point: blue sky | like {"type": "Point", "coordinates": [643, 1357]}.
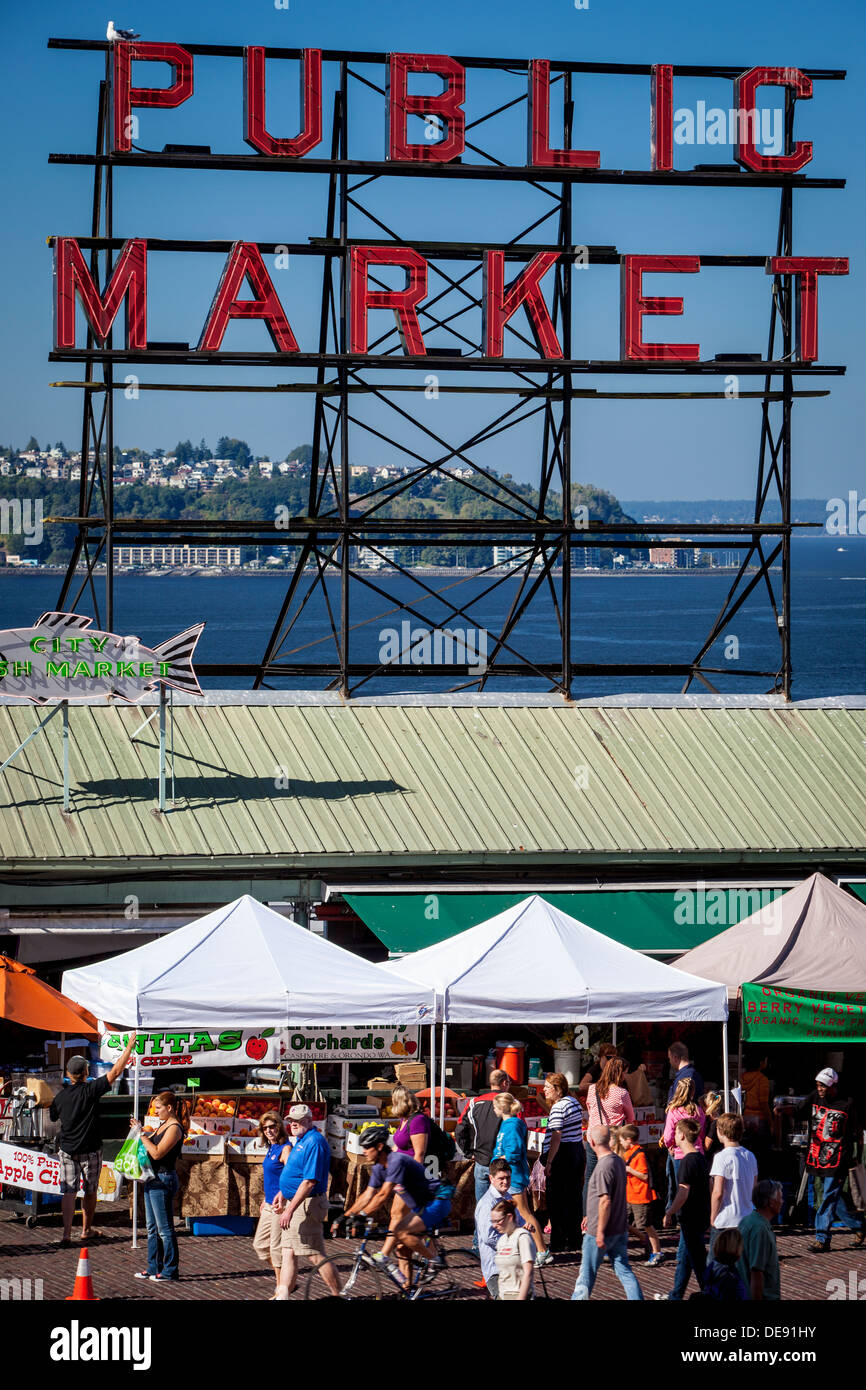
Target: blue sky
{"type": "Point", "coordinates": [635, 449]}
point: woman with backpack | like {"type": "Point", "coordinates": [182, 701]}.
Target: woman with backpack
{"type": "Point", "coordinates": [511, 1145]}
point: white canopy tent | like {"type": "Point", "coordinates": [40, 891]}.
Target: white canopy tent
{"type": "Point", "coordinates": [535, 964]}
{"type": "Point", "coordinates": [245, 966]}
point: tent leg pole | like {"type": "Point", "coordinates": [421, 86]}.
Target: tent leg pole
{"type": "Point", "coordinates": [725, 1078]}
{"type": "Point", "coordinates": [613, 1034]}
{"type": "Point", "coordinates": [66, 755]}
{"type": "Point", "coordinates": [344, 1084]}
{"type": "Point", "coordinates": [433, 1068]}
{"type": "Point", "coordinates": [134, 1184]}
{"type": "Point", "coordinates": [740, 1050]}
{"type": "Point", "coordinates": [162, 747]}
{"type": "Point", "coordinates": [442, 1077]}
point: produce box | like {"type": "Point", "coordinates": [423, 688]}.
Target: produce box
{"type": "Point", "coordinates": [413, 1075]}
{"type": "Point", "coordinates": [353, 1141]}
{"type": "Point", "coordinates": [216, 1107]}
{"type": "Point", "coordinates": [254, 1109]}
{"type": "Point", "coordinates": [250, 1147]}
{"type": "Point", "coordinates": [204, 1143]}
{"type": "Point", "coordinates": [212, 1126]}
{"type": "Point", "coordinates": [338, 1125]}
{"type": "Point", "coordinates": [650, 1134]}
{"type": "Point", "coordinates": [337, 1145]}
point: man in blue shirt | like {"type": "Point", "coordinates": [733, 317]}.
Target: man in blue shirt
{"type": "Point", "coordinates": [302, 1202]}
{"type": "Point", "coordinates": [499, 1183]}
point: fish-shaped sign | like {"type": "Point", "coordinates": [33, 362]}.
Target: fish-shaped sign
{"type": "Point", "coordinates": [63, 657]}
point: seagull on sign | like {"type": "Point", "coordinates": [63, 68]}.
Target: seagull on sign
{"type": "Point", "coordinates": [113, 34]}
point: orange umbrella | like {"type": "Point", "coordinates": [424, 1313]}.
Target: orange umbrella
{"type": "Point", "coordinates": [26, 999]}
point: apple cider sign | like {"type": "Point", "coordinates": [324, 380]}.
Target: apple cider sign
{"type": "Point", "coordinates": [245, 288]}
{"type": "Point", "coordinates": [240, 1047]}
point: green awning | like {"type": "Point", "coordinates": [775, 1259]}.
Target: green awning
{"type": "Point", "coordinates": [664, 922]}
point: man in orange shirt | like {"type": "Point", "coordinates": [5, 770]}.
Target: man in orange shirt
{"type": "Point", "coordinates": [639, 1191]}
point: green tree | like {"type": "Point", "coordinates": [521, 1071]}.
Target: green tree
{"type": "Point", "coordinates": [31, 447]}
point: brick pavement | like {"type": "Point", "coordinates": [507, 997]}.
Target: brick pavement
{"type": "Point", "coordinates": [225, 1267]}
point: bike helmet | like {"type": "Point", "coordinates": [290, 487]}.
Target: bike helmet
{"type": "Point", "coordinates": [376, 1134]}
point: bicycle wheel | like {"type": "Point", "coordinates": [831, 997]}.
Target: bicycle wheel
{"type": "Point", "coordinates": [357, 1280]}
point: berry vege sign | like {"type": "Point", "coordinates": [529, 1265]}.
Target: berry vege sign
{"type": "Point", "coordinates": [546, 157]}
{"type": "Point", "coordinates": [771, 1014]}
{"type": "Point", "coordinates": [239, 1047]}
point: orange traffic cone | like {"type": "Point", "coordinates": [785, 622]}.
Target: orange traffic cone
{"type": "Point", "coordinates": [83, 1287]}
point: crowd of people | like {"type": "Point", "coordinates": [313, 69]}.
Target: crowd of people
{"type": "Point", "coordinates": [595, 1182]}
{"type": "Point", "coordinates": [592, 1178]}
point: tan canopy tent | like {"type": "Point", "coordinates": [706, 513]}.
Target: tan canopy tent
{"type": "Point", "coordinates": [811, 938]}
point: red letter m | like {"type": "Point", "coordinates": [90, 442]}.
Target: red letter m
{"type": "Point", "coordinates": [128, 283]}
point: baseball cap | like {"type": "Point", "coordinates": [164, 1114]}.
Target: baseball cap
{"type": "Point", "coordinates": [827, 1076]}
{"type": "Point", "coordinates": [77, 1065]}
{"type": "Point", "coordinates": [300, 1112]}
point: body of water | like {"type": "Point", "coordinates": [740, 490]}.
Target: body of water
{"type": "Point", "coordinates": [631, 617]}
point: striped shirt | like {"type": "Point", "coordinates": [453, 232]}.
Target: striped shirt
{"type": "Point", "coordinates": [565, 1116]}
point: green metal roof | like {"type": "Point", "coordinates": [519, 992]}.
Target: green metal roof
{"type": "Point", "coordinates": [384, 785]}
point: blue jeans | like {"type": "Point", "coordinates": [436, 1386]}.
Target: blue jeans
{"type": "Point", "coordinates": [691, 1255]}
{"type": "Point", "coordinates": [591, 1161]}
{"type": "Point", "coordinates": [161, 1239]}
{"type": "Point", "coordinates": [835, 1207]}
{"type": "Point", "coordinates": [482, 1182]}
{"type": "Point", "coordinates": [590, 1263]}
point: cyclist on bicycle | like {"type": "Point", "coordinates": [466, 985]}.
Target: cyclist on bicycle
{"type": "Point", "coordinates": [428, 1203]}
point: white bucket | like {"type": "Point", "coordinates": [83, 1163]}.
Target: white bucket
{"type": "Point", "coordinates": [568, 1062]}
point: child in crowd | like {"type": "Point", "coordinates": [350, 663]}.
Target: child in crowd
{"type": "Point", "coordinates": [692, 1202]}
{"type": "Point", "coordinates": [733, 1175]}
{"type": "Point", "coordinates": [639, 1192]}
{"type": "Point", "coordinates": [721, 1281]}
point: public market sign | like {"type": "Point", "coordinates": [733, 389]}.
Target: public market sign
{"type": "Point", "coordinates": [63, 657]}
{"type": "Point", "coordinates": [547, 156]}
{"type": "Point", "coordinates": [771, 1014]}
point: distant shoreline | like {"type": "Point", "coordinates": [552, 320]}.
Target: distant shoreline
{"type": "Point", "coordinates": [425, 572]}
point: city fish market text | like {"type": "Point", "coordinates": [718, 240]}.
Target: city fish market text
{"type": "Point", "coordinates": [63, 658]}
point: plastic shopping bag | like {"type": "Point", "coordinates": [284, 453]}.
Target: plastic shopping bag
{"type": "Point", "coordinates": [132, 1160]}
{"type": "Point", "coordinates": [147, 1173]}
{"type": "Point", "coordinates": [538, 1178]}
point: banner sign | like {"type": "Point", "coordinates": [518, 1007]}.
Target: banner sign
{"type": "Point", "coordinates": [241, 1047]}
{"type": "Point", "coordinates": [350, 1044]}
{"type": "Point", "coordinates": [230, 1047]}
{"type": "Point", "coordinates": [40, 1172]}
{"type": "Point", "coordinates": [63, 657]}
{"type": "Point", "coordinates": [771, 1014]}
{"type": "Point", "coordinates": [760, 144]}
